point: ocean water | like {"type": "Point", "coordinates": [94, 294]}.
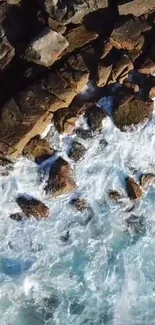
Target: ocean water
{"type": "Point", "coordinates": [103, 274]}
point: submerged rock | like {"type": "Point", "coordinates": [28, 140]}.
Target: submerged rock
{"type": "Point", "coordinates": [83, 134]}
{"type": "Point", "coordinates": [133, 112]}
{"type": "Point", "coordinates": [79, 204]}
{"type": "Point", "coordinates": [114, 195]}
{"type": "Point", "coordinates": [135, 224]}
{"type": "Point", "coordinates": [146, 180]}
{"type": "Point", "coordinates": [77, 152]}
{"type": "Point", "coordinates": [37, 149]}
{"type": "Point", "coordinates": [46, 48]}
{"type": "Point", "coordinates": [61, 179]}
{"type": "Point", "coordinates": [95, 115]}
{"type": "Point", "coordinates": [134, 190]}
{"type": "Point", "coordinates": [17, 216]}
{"type": "Point", "coordinates": [32, 207]}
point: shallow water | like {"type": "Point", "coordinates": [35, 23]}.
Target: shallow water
{"type": "Point", "coordinates": [102, 274]}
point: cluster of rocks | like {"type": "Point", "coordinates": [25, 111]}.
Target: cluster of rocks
{"type": "Point", "coordinates": [51, 53]}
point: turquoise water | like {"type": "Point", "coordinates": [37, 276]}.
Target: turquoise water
{"type": "Point", "coordinates": [102, 274]}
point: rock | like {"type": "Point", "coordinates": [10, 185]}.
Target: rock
{"type": "Point", "coordinates": [95, 115]}
{"type": "Point", "coordinates": [32, 207]}
{"type": "Point", "coordinates": [7, 52]}
{"type": "Point", "coordinates": [103, 74]}
{"type": "Point", "coordinates": [65, 237]}
{"type": "Point", "coordinates": [38, 149]}
{"type": "Point", "coordinates": [127, 34]}
{"type": "Point", "coordinates": [132, 113]}
{"type": "Point", "coordinates": [79, 204]}
{"type": "Point", "coordinates": [136, 7]}
{"type": "Point", "coordinates": [17, 216]}
{"type": "Point", "coordinates": [131, 86]}
{"type": "Point", "coordinates": [135, 224]}
{"type": "Point", "coordinates": [121, 70]}
{"type": "Point", "coordinates": [83, 134]}
{"type": "Point", "coordinates": [13, 2]}
{"type": "Point", "coordinates": [61, 179]}
{"type": "Point", "coordinates": [77, 151]}
{"type": "Point", "coordinates": [146, 180]}
{"type": "Point", "coordinates": [53, 24]}
{"type": "Point", "coordinates": [78, 37]}
{"type": "Point", "coordinates": [6, 165]}
{"type": "Point", "coordinates": [152, 92]}
{"type": "Point", "coordinates": [72, 11]}
{"type": "Point", "coordinates": [46, 48]}
{"type": "Point", "coordinates": [148, 67]}
{"type": "Point", "coordinates": [114, 195]}
{"type": "Point", "coordinates": [133, 189]}
{"type": "Point", "coordinates": [107, 47]}
{"type": "Point", "coordinates": [102, 144]}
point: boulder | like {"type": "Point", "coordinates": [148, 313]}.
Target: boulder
{"type": "Point", "coordinates": [136, 7]}
{"type": "Point", "coordinates": [107, 47]}
{"type": "Point", "coordinates": [132, 112]}
{"type": "Point", "coordinates": [79, 204]}
{"type": "Point", "coordinates": [38, 149]}
{"type": "Point", "coordinates": [121, 69]}
{"type": "Point", "coordinates": [147, 67]}
{"type": "Point", "coordinates": [103, 74]}
{"type": "Point", "coordinates": [95, 115]}
{"type": "Point", "coordinates": [77, 151]}
{"type": "Point", "coordinates": [114, 195]}
{"type": "Point", "coordinates": [134, 190]}
{"type": "Point", "coordinates": [46, 48]}
{"type": "Point", "coordinates": [146, 180]}
{"type": "Point", "coordinates": [61, 179]}
{"type": "Point", "coordinates": [72, 11]}
{"type": "Point", "coordinates": [32, 207]}
{"type": "Point", "coordinates": [7, 52]}
{"type": "Point", "coordinates": [127, 34]}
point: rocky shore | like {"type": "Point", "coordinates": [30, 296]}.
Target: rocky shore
{"type": "Point", "coordinates": [58, 60]}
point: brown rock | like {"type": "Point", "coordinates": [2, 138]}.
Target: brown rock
{"type": "Point", "coordinates": [107, 47]}
{"type": "Point", "coordinates": [79, 37]}
{"type": "Point", "coordinates": [6, 52]}
{"type": "Point", "coordinates": [79, 204]}
{"type": "Point", "coordinates": [152, 92]}
{"type": "Point", "coordinates": [46, 48]}
{"type": "Point", "coordinates": [114, 195]}
{"type": "Point", "coordinates": [136, 7]}
{"type": "Point", "coordinates": [95, 115]}
{"type": "Point", "coordinates": [131, 86]}
{"type": "Point", "coordinates": [38, 149]}
{"type": "Point", "coordinates": [133, 189]}
{"type": "Point", "coordinates": [103, 74]}
{"type": "Point", "coordinates": [121, 70]}
{"type": "Point", "coordinates": [148, 67]}
{"type": "Point", "coordinates": [127, 34]}
{"type": "Point", "coordinates": [132, 113]}
{"type": "Point", "coordinates": [146, 180]}
{"type": "Point", "coordinates": [77, 151]}
{"type": "Point", "coordinates": [32, 207]}
{"type": "Point", "coordinates": [60, 178]}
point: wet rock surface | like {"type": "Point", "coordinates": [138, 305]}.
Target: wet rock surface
{"type": "Point", "coordinates": [38, 149]}
{"type": "Point", "coordinates": [77, 151]}
{"type": "Point", "coordinates": [32, 207]}
{"type": "Point", "coordinates": [134, 190]}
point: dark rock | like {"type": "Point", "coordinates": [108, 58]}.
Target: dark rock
{"type": "Point", "coordinates": [32, 207]}
{"type": "Point", "coordinates": [147, 67]}
{"type": "Point", "coordinates": [94, 116]}
{"type": "Point", "coordinates": [53, 24]}
{"type": "Point", "coordinates": [135, 224]}
{"type": "Point", "coordinates": [65, 236]}
{"type": "Point", "coordinates": [114, 195]}
{"type": "Point", "coordinates": [132, 113]}
{"type": "Point", "coordinates": [134, 190]}
{"type": "Point", "coordinates": [83, 134]}
{"type": "Point", "coordinates": [61, 179]}
{"type": "Point", "coordinates": [46, 48]}
{"type": "Point", "coordinates": [127, 34]}
{"type": "Point", "coordinates": [6, 166]}
{"type": "Point", "coordinates": [16, 216]}
{"type": "Point", "coordinates": [7, 52]}
{"type": "Point", "coordinates": [146, 180]}
{"type": "Point", "coordinates": [132, 87]}
{"type": "Point", "coordinates": [79, 204]}
{"type": "Point", "coordinates": [77, 151]}
{"type": "Point", "coordinates": [38, 149]}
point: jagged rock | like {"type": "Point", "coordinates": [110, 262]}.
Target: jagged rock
{"type": "Point", "coordinates": [95, 115]}
{"type": "Point", "coordinates": [7, 52]}
{"type": "Point", "coordinates": [83, 134]}
{"type": "Point", "coordinates": [17, 216]}
{"type": "Point", "coordinates": [114, 195]}
{"type": "Point", "coordinates": [135, 224]}
{"type": "Point", "coordinates": [127, 34]}
{"type": "Point", "coordinates": [134, 190]}
{"type": "Point", "coordinates": [78, 37]}
{"type": "Point", "coordinates": [121, 70]}
{"type": "Point", "coordinates": [79, 204]}
{"type": "Point", "coordinates": [133, 112]}
{"type": "Point", "coordinates": [103, 74]}
{"type": "Point", "coordinates": [72, 11]}
{"type": "Point", "coordinates": [77, 152]}
{"type": "Point", "coordinates": [136, 7]}
{"type": "Point", "coordinates": [61, 179]}
{"type": "Point", "coordinates": [148, 67]}
{"type": "Point", "coordinates": [131, 86]}
{"type": "Point", "coordinates": [32, 207]}
{"type": "Point", "coordinates": [146, 180]}
{"type": "Point", "coordinates": [46, 48]}
{"type": "Point", "coordinates": [37, 149]}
